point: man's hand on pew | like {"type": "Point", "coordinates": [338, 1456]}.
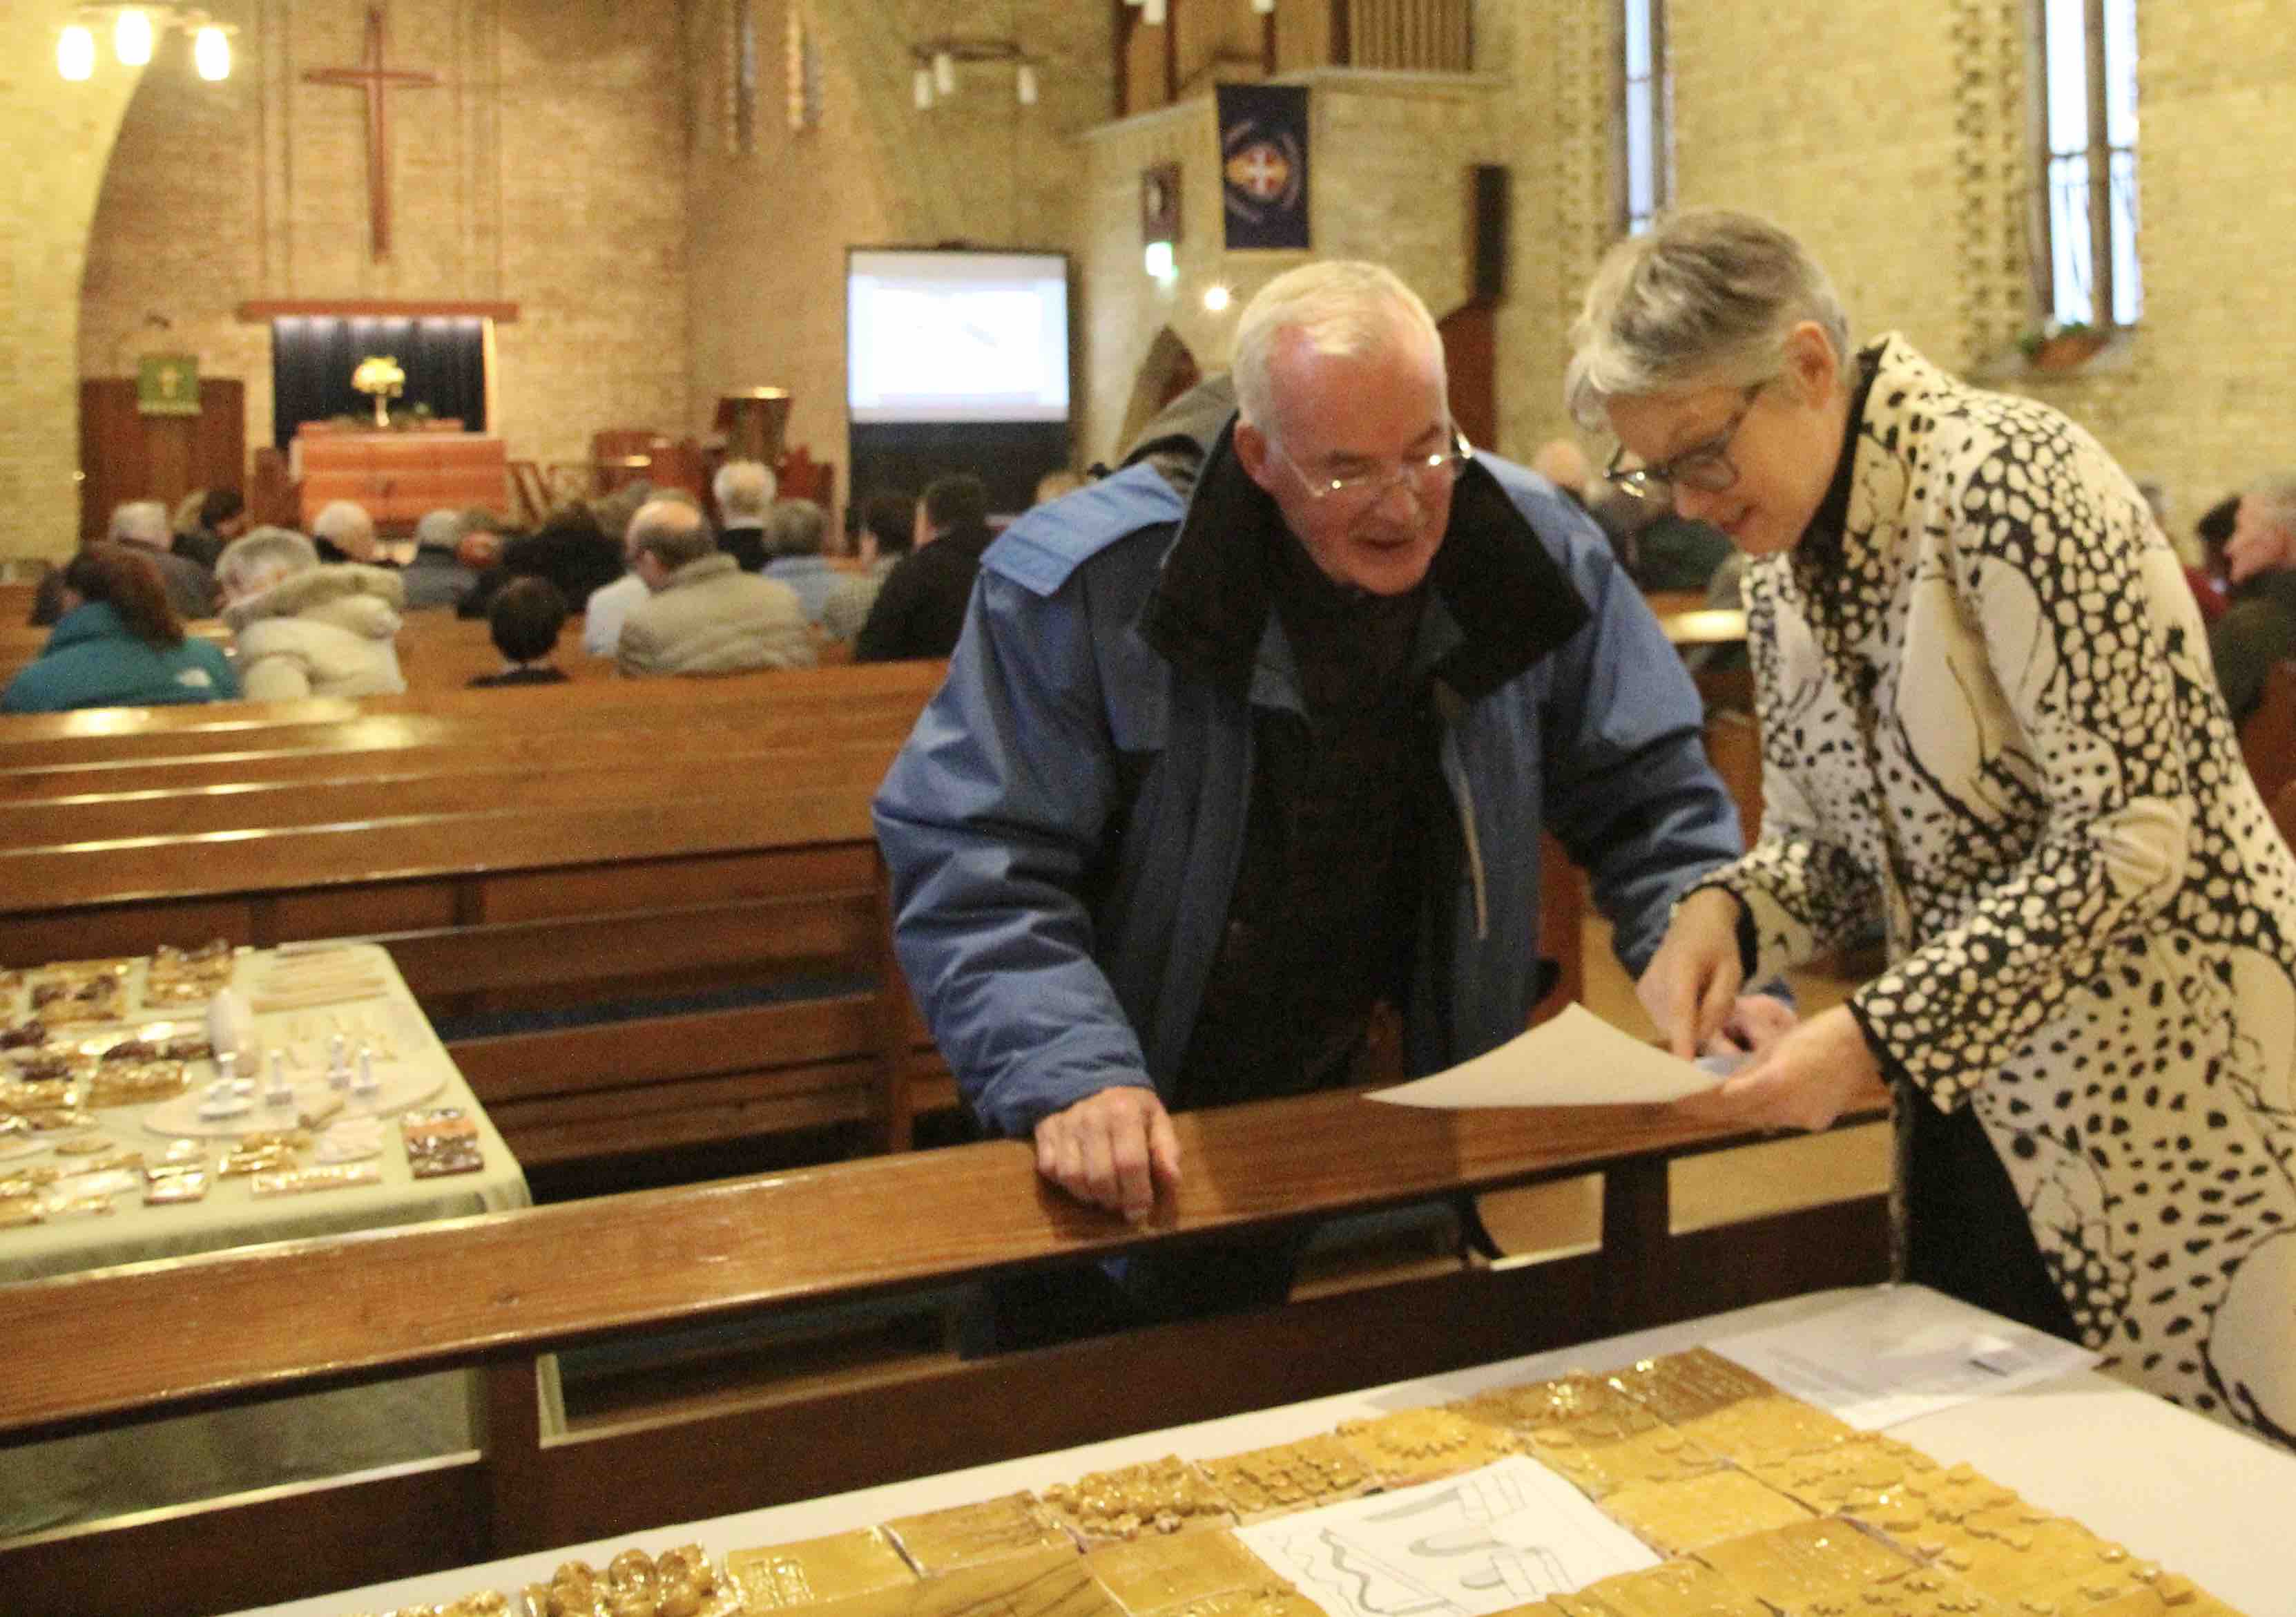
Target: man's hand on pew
{"type": "Point", "coordinates": [1115, 1149]}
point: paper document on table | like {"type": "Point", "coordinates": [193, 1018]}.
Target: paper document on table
{"type": "Point", "coordinates": [1502, 1536]}
{"type": "Point", "coordinates": [1887, 1357]}
{"type": "Point", "coordinates": [1576, 1059]}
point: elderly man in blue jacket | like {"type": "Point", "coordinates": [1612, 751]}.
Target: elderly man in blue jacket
{"type": "Point", "coordinates": [1247, 742]}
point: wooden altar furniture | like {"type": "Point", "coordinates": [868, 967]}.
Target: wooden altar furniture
{"type": "Point", "coordinates": [397, 477]}
{"type": "Point", "coordinates": [754, 422]}
{"type": "Point", "coordinates": [125, 455]}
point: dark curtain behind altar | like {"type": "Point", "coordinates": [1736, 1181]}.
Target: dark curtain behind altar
{"type": "Point", "coordinates": [312, 359]}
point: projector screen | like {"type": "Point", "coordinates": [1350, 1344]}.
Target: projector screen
{"type": "Point", "coordinates": [957, 336]}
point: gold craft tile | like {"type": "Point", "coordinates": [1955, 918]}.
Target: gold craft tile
{"type": "Point", "coordinates": [2168, 1595]}
{"type": "Point", "coordinates": [1773, 1427]}
{"type": "Point", "coordinates": [1248, 1603]}
{"type": "Point", "coordinates": [1924, 1592]}
{"type": "Point", "coordinates": [1678, 1517]}
{"type": "Point", "coordinates": [1584, 1404]}
{"type": "Point", "coordinates": [1815, 1569]}
{"type": "Point", "coordinates": [1320, 1470]}
{"type": "Point", "coordinates": [1866, 1471]}
{"type": "Point", "coordinates": [1658, 1455]}
{"type": "Point", "coordinates": [1679, 1387]}
{"type": "Point", "coordinates": [1046, 1583]}
{"type": "Point", "coordinates": [1674, 1588]}
{"type": "Point", "coordinates": [1157, 1496]}
{"type": "Point", "coordinates": [1422, 1445]}
{"type": "Point", "coordinates": [833, 1568]}
{"type": "Point", "coordinates": [1155, 1575]}
{"type": "Point", "coordinates": [965, 1535]}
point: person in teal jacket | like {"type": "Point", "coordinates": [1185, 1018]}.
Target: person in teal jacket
{"type": "Point", "coordinates": [117, 644]}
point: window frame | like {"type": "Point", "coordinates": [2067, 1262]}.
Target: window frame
{"type": "Point", "coordinates": [1625, 221]}
{"type": "Point", "coordinates": [2114, 266]}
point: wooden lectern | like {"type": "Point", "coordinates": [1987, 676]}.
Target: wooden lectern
{"type": "Point", "coordinates": [753, 422]}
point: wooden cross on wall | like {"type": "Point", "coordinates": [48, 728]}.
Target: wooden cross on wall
{"type": "Point", "coordinates": [376, 79]}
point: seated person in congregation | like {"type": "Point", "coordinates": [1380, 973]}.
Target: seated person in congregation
{"type": "Point", "coordinates": [886, 533]}
{"type": "Point", "coordinates": [2257, 625]}
{"type": "Point", "coordinates": [304, 628]}
{"type": "Point", "coordinates": [119, 644]}
{"type": "Point", "coordinates": [920, 610]}
{"type": "Point", "coordinates": [145, 524]}
{"type": "Point", "coordinates": [524, 623]}
{"type": "Point", "coordinates": [744, 489]}
{"type": "Point", "coordinates": [435, 576]}
{"type": "Point", "coordinates": [220, 517]}
{"type": "Point", "coordinates": [702, 614]}
{"type": "Point", "coordinates": [343, 531]}
{"type": "Point", "coordinates": [796, 532]}
{"type": "Point", "coordinates": [1221, 781]}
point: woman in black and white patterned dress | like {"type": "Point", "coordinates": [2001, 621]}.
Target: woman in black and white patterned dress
{"type": "Point", "coordinates": [1988, 721]}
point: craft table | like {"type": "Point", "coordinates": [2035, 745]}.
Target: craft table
{"type": "Point", "coordinates": [168, 1462]}
{"type": "Point", "coordinates": [2202, 1499]}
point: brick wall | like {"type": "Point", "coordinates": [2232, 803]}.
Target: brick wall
{"type": "Point", "coordinates": [769, 229]}
{"type": "Point", "coordinates": [547, 169]}
{"type": "Point", "coordinates": [55, 139]}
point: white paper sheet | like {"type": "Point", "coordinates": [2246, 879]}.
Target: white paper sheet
{"type": "Point", "coordinates": [1575, 1059]}
{"type": "Point", "coordinates": [1871, 1364]}
{"type": "Point", "coordinates": [1502, 1536]}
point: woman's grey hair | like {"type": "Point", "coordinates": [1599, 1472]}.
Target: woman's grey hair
{"type": "Point", "coordinates": [743, 487]}
{"type": "Point", "coordinates": [1704, 296]}
{"type": "Point", "coordinates": [255, 562]}
{"type": "Point", "coordinates": [1343, 307]}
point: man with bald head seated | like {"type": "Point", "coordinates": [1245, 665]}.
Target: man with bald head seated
{"type": "Point", "coordinates": [702, 614]}
{"type": "Point", "coordinates": [1246, 751]}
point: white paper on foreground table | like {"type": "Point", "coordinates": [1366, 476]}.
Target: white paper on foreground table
{"type": "Point", "coordinates": [1575, 1059]}
{"type": "Point", "coordinates": [1872, 1365]}
{"type": "Point", "coordinates": [1502, 1536]}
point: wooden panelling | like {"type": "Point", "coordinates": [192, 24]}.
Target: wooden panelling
{"type": "Point", "coordinates": [561, 1060]}
{"type": "Point", "coordinates": [125, 455]}
{"type": "Point", "coordinates": [849, 870]}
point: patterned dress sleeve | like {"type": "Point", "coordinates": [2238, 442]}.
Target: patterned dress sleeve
{"type": "Point", "coordinates": [1804, 890]}
{"type": "Point", "coordinates": [2049, 771]}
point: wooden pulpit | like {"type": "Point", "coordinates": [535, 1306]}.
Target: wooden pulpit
{"type": "Point", "coordinates": [753, 422]}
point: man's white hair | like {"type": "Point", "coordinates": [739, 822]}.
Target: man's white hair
{"type": "Point", "coordinates": [142, 523]}
{"type": "Point", "coordinates": [1346, 305]}
{"type": "Point", "coordinates": [743, 487]}
{"type": "Point", "coordinates": [2275, 499]}
{"type": "Point", "coordinates": [346, 525]}
{"type": "Point", "coordinates": [255, 562]}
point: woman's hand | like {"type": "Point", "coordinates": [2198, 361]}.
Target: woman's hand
{"type": "Point", "coordinates": [1691, 985]}
{"type": "Point", "coordinates": [1805, 1079]}
{"type": "Point", "coordinates": [1756, 1022]}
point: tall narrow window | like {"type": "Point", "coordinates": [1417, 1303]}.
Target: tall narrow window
{"type": "Point", "coordinates": [2088, 116]}
{"type": "Point", "coordinates": [1645, 151]}
{"type": "Point", "coordinates": [743, 89]}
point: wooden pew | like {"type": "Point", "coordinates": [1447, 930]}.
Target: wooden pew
{"type": "Point", "coordinates": [493, 1292]}
{"type": "Point", "coordinates": [522, 862]}
{"type": "Point", "coordinates": [2268, 739]}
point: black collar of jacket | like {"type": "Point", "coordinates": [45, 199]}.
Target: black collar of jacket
{"type": "Point", "coordinates": [1209, 612]}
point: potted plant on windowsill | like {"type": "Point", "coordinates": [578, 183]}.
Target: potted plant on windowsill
{"type": "Point", "coordinates": [2056, 347]}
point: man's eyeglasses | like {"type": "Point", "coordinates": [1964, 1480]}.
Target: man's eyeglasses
{"type": "Point", "coordinates": [1425, 475]}
{"type": "Point", "coordinates": [1705, 466]}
